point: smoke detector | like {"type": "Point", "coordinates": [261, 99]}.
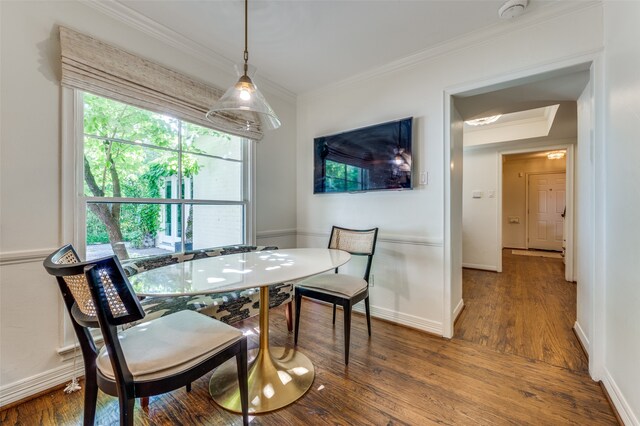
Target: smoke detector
{"type": "Point", "coordinates": [512, 8]}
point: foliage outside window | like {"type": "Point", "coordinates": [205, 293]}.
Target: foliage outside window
{"type": "Point", "coordinates": [342, 177]}
{"type": "Point", "coordinates": [144, 172]}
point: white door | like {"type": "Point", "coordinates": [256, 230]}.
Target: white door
{"type": "Point", "coordinates": [546, 206]}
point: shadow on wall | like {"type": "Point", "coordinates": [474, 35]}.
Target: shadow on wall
{"type": "Point", "coordinates": [49, 57]}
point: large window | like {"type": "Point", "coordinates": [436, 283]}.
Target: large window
{"type": "Point", "coordinates": [154, 184]}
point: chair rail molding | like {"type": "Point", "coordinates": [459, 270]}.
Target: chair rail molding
{"type": "Point", "coordinates": [385, 238]}
{"type": "Point", "coordinates": [24, 256]}
{"type": "Point", "coordinates": [272, 233]}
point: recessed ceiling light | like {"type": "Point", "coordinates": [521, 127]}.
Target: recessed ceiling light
{"type": "Point", "coordinates": [556, 155]}
{"type": "Point", "coordinates": [512, 8]}
{"type": "Point", "coordinates": [484, 120]}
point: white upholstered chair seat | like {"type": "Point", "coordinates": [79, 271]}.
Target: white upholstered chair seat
{"type": "Point", "coordinates": [338, 284]}
{"type": "Point", "coordinates": [179, 341]}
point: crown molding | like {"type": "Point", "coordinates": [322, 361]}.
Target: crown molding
{"type": "Point", "coordinates": [162, 33]}
{"type": "Point", "coordinates": [475, 38]}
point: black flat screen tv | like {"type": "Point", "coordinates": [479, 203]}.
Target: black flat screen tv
{"type": "Point", "coordinates": [373, 158]}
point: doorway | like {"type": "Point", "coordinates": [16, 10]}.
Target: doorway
{"type": "Point", "coordinates": [546, 201]}
{"type": "Point", "coordinates": [589, 307]}
{"type": "Point", "coordinates": [522, 227]}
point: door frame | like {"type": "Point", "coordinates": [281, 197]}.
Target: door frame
{"type": "Point", "coordinates": [594, 62]}
{"type": "Point", "coordinates": [570, 215]}
{"type": "Point", "coordinates": [567, 194]}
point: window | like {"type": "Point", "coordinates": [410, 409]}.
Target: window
{"type": "Point", "coordinates": [344, 177]}
{"type": "Point", "coordinates": [154, 184]}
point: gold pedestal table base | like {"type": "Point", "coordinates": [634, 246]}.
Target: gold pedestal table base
{"type": "Point", "coordinates": [277, 377]}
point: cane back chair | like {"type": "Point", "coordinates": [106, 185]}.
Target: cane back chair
{"type": "Point", "coordinates": [341, 289]}
{"type": "Point", "coordinates": [150, 358]}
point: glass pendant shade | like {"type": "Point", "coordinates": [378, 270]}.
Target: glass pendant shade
{"type": "Point", "coordinates": [244, 101]}
{"type": "Point", "coordinates": [242, 110]}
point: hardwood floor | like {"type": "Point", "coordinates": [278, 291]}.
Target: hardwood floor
{"type": "Point", "coordinates": [400, 376]}
{"type": "Point", "coordinates": [527, 310]}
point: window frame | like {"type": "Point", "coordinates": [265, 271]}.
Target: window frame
{"type": "Point", "coordinates": [346, 180]}
{"type": "Point", "coordinates": [81, 199]}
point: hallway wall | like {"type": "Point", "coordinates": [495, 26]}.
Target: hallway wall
{"type": "Point", "coordinates": [622, 232]}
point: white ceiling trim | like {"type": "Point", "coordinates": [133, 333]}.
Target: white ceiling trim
{"type": "Point", "coordinates": [471, 39]}
{"type": "Point", "coordinates": [166, 35]}
{"type": "Point", "coordinates": [515, 147]}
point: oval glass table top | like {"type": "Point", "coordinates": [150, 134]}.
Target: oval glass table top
{"type": "Point", "coordinates": [236, 271]}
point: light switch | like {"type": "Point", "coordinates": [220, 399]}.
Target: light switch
{"type": "Point", "coordinates": [424, 178]}
{"type": "Point", "coordinates": [491, 194]}
{"type": "Point", "coordinates": [477, 194]}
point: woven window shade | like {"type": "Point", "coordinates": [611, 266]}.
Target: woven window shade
{"type": "Point", "coordinates": [100, 68]}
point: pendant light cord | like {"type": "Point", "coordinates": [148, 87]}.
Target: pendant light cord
{"type": "Point", "coordinates": [246, 36]}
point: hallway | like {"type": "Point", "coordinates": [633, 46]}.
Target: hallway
{"type": "Point", "coordinates": [528, 310]}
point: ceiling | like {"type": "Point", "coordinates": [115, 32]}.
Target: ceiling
{"type": "Point", "coordinates": [305, 45]}
{"type": "Point", "coordinates": [542, 90]}
{"type": "Point", "coordinates": [561, 87]}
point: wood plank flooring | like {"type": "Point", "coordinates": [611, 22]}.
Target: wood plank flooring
{"type": "Point", "coordinates": [398, 377]}
{"type": "Point", "coordinates": [527, 310]}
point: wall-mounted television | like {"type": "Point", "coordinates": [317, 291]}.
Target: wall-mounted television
{"type": "Point", "coordinates": [372, 158]}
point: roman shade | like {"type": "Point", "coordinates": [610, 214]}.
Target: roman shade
{"type": "Point", "coordinates": [100, 68]}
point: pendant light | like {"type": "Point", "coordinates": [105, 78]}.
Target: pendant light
{"type": "Point", "coordinates": [242, 110]}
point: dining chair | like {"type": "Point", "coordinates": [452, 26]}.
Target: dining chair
{"type": "Point", "coordinates": [341, 289]}
{"type": "Point", "coordinates": [151, 358]}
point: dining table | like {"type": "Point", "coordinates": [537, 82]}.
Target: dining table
{"type": "Point", "coordinates": [278, 376]}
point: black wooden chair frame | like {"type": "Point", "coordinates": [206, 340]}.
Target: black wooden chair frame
{"type": "Point", "coordinates": [124, 386]}
{"type": "Point", "coordinates": [344, 301]}
{"type": "Point", "coordinates": [82, 325]}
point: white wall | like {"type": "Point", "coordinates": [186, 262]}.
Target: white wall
{"type": "Point", "coordinates": [584, 241]}
{"type": "Point", "coordinates": [514, 195]}
{"type": "Point", "coordinates": [414, 220]}
{"type": "Point", "coordinates": [30, 176]}
{"type": "Point", "coordinates": [622, 250]}
{"type": "Point", "coordinates": [480, 215]}
{"type": "Point", "coordinates": [453, 306]}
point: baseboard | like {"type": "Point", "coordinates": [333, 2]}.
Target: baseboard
{"type": "Point", "coordinates": [491, 268]}
{"type": "Point", "coordinates": [582, 338]}
{"type": "Point", "coordinates": [412, 321]}
{"type": "Point", "coordinates": [457, 310]}
{"type": "Point", "coordinates": [38, 383]}
{"type": "Point", "coordinates": [621, 407]}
